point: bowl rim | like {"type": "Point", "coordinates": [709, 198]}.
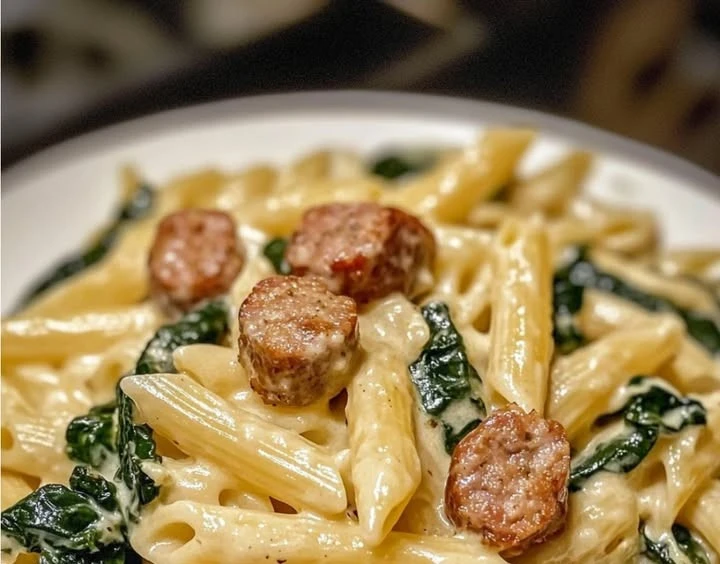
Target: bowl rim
{"type": "Point", "coordinates": [342, 101]}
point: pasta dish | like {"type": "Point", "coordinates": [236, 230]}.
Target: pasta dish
{"type": "Point", "coordinates": [426, 357]}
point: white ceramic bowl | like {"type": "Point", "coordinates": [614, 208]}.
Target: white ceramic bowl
{"type": "Point", "coordinates": [51, 202]}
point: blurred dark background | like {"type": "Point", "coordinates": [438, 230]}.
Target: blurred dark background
{"type": "Point", "coordinates": [649, 69]}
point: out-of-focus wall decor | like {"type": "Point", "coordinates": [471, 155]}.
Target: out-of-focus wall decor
{"type": "Point", "coordinates": [649, 69]}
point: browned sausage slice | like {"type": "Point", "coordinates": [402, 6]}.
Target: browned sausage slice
{"type": "Point", "coordinates": [296, 339]}
{"type": "Point", "coordinates": [508, 480]}
{"type": "Point", "coordinates": [196, 255]}
{"type": "Point", "coordinates": [362, 250]}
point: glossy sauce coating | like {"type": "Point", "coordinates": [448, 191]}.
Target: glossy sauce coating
{"type": "Point", "coordinates": [362, 250]}
{"type": "Point", "coordinates": [195, 256]}
{"type": "Point", "coordinates": [508, 480]}
{"type": "Point", "coordinates": [296, 339]}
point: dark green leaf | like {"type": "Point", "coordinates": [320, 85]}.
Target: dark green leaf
{"type": "Point", "coordinates": [689, 545]}
{"type": "Point", "coordinates": [208, 324]}
{"type": "Point", "coordinates": [92, 438]}
{"type": "Point", "coordinates": [648, 412]}
{"type": "Point", "coordinates": [571, 281]}
{"type": "Point", "coordinates": [443, 372]}
{"type": "Point", "coordinates": [137, 207]}
{"type": "Point", "coordinates": [443, 375]}
{"type": "Point", "coordinates": [663, 409]}
{"type": "Point", "coordinates": [661, 552]}
{"type": "Point", "coordinates": [452, 437]}
{"type": "Point", "coordinates": [393, 166]}
{"type": "Point", "coordinates": [86, 481]}
{"type": "Point", "coordinates": [69, 525]}
{"type": "Point", "coordinates": [618, 455]}
{"type": "Point", "coordinates": [274, 251]}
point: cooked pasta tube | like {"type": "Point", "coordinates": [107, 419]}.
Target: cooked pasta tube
{"type": "Point", "coordinates": [449, 192]}
{"type": "Point", "coordinates": [582, 382]}
{"type": "Point", "coordinates": [683, 293]}
{"type": "Point", "coordinates": [118, 280]}
{"type": "Point", "coordinates": [384, 459]}
{"type": "Point", "coordinates": [14, 487]}
{"type": "Point", "coordinates": [52, 339]}
{"type": "Point", "coordinates": [279, 214]}
{"type": "Point", "coordinates": [269, 458]}
{"type": "Point", "coordinates": [692, 368]}
{"type": "Point", "coordinates": [520, 329]}
{"type": "Point", "coordinates": [191, 532]}
{"type": "Point", "coordinates": [552, 190]}
{"type": "Point", "coordinates": [701, 512]}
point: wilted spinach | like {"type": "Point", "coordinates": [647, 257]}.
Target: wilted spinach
{"type": "Point", "coordinates": [443, 375]}
{"type": "Point", "coordinates": [393, 166]}
{"type": "Point", "coordinates": [571, 281]}
{"type": "Point", "coordinates": [274, 251]}
{"type": "Point", "coordinates": [86, 522]}
{"type": "Point", "coordinates": [661, 552]}
{"type": "Point", "coordinates": [650, 411]}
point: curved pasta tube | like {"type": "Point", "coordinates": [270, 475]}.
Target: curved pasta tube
{"type": "Point", "coordinates": [384, 460]}
{"type": "Point", "coordinates": [200, 481]}
{"type": "Point", "coordinates": [520, 329]}
{"type": "Point", "coordinates": [271, 459]}
{"type": "Point", "coordinates": [14, 487]}
{"type": "Point", "coordinates": [30, 438]}
{"type": "Point", "coordinates": [280, 213]}
{"type": "Point", "coordinates": [551, 190]}
{"type": "Point", "coordinates": [218, 369]}
{"type": "Point", "coordinates": [701, 513]}
{"type": "Point", "coordinates": [683, 293]}
{"type": "Point", "coordinates": [581, 383]}
{"type": "Point", "coordinates": [51, 339]}
{"type": "Point", "coordinates": [191, 532]}
{"type": "Point", "coordinates": [118, 280]}
{"type": "Point", "coordinates": [692, 369]}
{"type": "Point", "coordinates": [450, 191]}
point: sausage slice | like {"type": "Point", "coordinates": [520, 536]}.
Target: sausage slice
{"type": "Point", "coordinates": [296, 339]}
{"type": "Point", "coordinates": [362, 250]}
{"type": "Point", "coordinates": [508, 480]}
{"type": "Point", "coordinates": [195, 256]}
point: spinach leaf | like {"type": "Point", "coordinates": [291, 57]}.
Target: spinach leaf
{"type": "Point", "coordinates": [660, 408]}
{"type": "Point", "coordinates": [87, 523]}
{"type": "Point", "coordinates": [207, 324]}
{"type": "Point", "coordinates": [135, 445]}
{"type": "Point", "coordinates": [452, 437]}
{"type": "Point", "coordinates": [76, 524]}
{"type": "Point", "coordinates": [393, 166]}
{"type": "Point", "coordinates": [138, 206]}
{"type": "Point", "coordinates": [443, 375]}
{"type": "Point", "coordinates": [618, 455]}
{"type": "Point", "coordinates": [567, 301]}
{"type": "Point", "coordinates": [649, 411]}
{"type": "Point", "coordinates": [662, 552]}
{"type": "Point", "coordinates": [274, 251]}
{"type": "Point", "coordinates": [571, 281]}
{"type": "Point", "coordinates": [91, 438]}
{"type": "Point", "coordinates": [689, 545]}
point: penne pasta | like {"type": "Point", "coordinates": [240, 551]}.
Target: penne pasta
{"type": "Point", "coordinates": [188, 532]}
{"type": "Point", "coordinates": [520, 329]}
{"type": "Point", "coordinates": [271, 459]}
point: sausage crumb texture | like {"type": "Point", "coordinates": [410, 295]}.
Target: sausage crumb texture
{"type": "Point", "coordinates": [296, 339]}
{"type": "Point", "coordinates": [363, 250]}
{"type": "Point", "coordinates": [508, 480]}
{"type": "Point", "coordinates": [195, 256]}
